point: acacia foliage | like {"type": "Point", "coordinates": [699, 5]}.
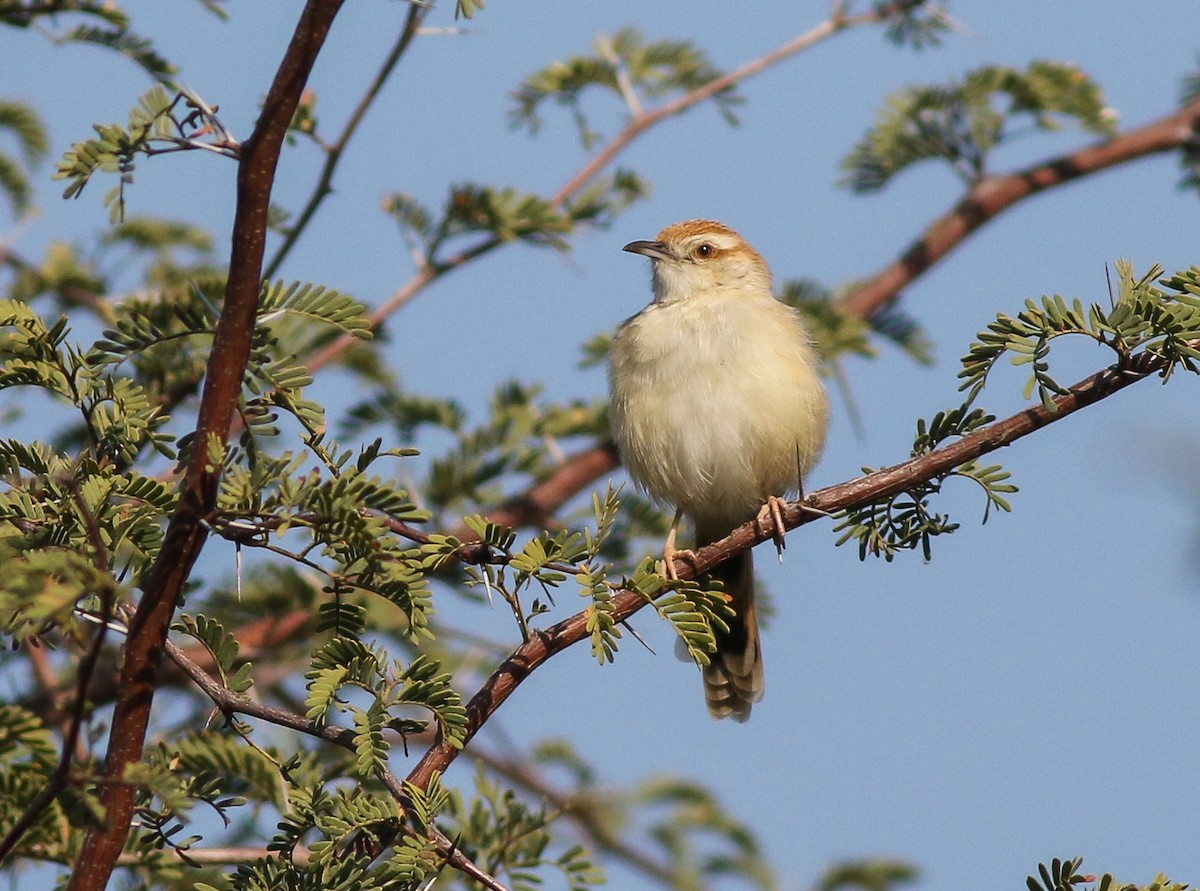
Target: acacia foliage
{"type": "Point", "coordinates": [358, 540]}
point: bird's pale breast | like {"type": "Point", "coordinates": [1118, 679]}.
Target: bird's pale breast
{"type": "Point", "coordinates": [717, 404]}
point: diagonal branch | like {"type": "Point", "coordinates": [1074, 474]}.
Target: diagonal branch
{"type": "Point", "coordinates": [837, 21]}
{"type": "Point", "coordinates": [186, 533]}
{"type": "Point", "coordinates": [997, 194]}
{"type": "Point", "coordinates": [230, 703]}
{"type": "Point", "coordinates": [987, 200]}
{"type": "Point", "coordinates": [431, 270]}
{"type": "Point", "coordinates": [877, 486]}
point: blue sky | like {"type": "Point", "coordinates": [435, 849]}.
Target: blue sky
{"type": "Point", "coordinates": [1029, 693]}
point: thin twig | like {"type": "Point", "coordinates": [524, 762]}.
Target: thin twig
{"type": "Point", "coordinates": [431, 270]}
{"type": "Point", "coordinates": [333, 153]}
{"type": "Point", "coordinates": [639, 125]}
{"type": "Point", "coordinates": [57, 780]}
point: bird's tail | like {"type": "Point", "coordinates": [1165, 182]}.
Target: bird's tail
{"type": "Point", "coordinates": [733, 680]}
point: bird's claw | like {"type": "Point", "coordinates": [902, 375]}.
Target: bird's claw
{"type": "Point", "coordinates": [671, 555]}
{"type": "Point", "coordinates": [773, 511]}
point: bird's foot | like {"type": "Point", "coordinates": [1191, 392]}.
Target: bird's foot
{"type": "Point", "coordinates": [670, 555]}
{"type": "Point", "coordinates": [773, 511]}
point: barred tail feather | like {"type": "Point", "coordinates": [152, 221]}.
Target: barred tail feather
{"type": "Point", "coordinates": [733, 680]}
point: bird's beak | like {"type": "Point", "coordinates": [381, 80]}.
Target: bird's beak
{"type": "Point", "coordinates": [655, 250]}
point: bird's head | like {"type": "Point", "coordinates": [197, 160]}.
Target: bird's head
{"type": "Point", "coordinates": [702, 257]}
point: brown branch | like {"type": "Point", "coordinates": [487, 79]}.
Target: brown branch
{"type": "Point", "coordinates": [538, 503]}
{"type": "Point", "coordinates": [989, 199]}
{"type": "Point", "coordinates": [838, 21]}
{"type": "Point", "coordinates": [526, 658]}
{"type": "Point", "coordinates": [432, 270]}
{"type": "Point", "coordinates": [997, 194]}
{"type": "Point", "coordinates": [230, 703]}
{"type": "Point", "coordinates": [223, 856]}
{"type": "Point", "coordinates": [256, 641]}
{"type": "Point", "coordinates": [186, 533]}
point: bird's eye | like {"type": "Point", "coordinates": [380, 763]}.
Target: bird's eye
{"type": "Point", "coordinates": [705, 251]}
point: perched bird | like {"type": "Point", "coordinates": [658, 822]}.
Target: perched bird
{"type": "Point", "coordinates": [717, 409]}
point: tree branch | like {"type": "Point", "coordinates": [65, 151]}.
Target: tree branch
{"type": "Point", "coordinates": [997, 194]}
{"type": "Point", "coordinates": [230, 703]}
{"type": "Point", "coordinates": [837, 21]}
{"type": "Point", "coordinates": [886, 483]}
{"type": "Point", "coordinates": [538, 503]}
{"type": "Point", "coordinates": [186, 533]}
{"type": "Point", "coordinates": [432, 270]}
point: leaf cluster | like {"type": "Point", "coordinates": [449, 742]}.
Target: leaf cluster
{"type": "Point", "coordinates": [394, 691]}
{"type": "Point", "coordinates": [697, 833]}
{"type": "Point", "coordinates": [626, 65]}
{"type": "Point", "coordinates": [27, 129]}
{"type": "Point", "coordinates": [326, 837]}
{"type": "Point", "coordinates": [1150, 314]}
{"type": "Point", "coordinates": [78, 512]}
{"type": "Point", "coordinates": [103, 24]}
{"type": "Point", "coordinates": [1140, 317]}
{"type": "Point", "coordinates": [836, 333]}
{"type": "Point", "coordinates": [1064, 875]}
{"type": "Point", "coordinates": [513, 839]}
{"type": "Point", "coordinates": [160, 122]}
{"type": "Point", "coordinates": [906, 521]}
{"type": "Point", "coordinates": [28, 755]}
{"type": "Point", "coordinates": [521, 436]}
{"type": "Point", "coordinates": [963, 122]}
{"type": "Point", "coordinates": [917, 24]}
{"type": "Point", "coordinates": [505, 215]}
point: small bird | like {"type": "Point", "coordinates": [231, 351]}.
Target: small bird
{"type": "Point", "coordinates": [717, 409]}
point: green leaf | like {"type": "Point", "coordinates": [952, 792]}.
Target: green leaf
{"type": "Point", "coordinates": [964, 121]}
{"type": "Point", "coordinates": [314, 303]}
{"type": "Point", "coordinates": [627, 66]}
{"type": "Point", "coordinates": [601, 624]}
{"type": "Point", "coordinates": [370, 746]}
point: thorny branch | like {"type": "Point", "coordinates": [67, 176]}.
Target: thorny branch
{"type": "Point", "coordinates": [526, 658]}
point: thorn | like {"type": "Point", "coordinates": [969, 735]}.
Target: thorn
{"type": "Point", "coordinates": [637, 636]}
{"type": "Point", "coordinates": [487, 586]}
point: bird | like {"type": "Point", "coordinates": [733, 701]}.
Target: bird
{"type": "Point", "coordinates": [718, 409]}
